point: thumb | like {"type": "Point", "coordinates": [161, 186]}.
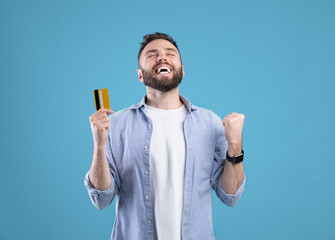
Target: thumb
{"type": "Point", "coordinates": [107, 111]}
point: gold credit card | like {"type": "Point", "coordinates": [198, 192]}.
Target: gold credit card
{"type": "Point", "coordinates": [101, 98]}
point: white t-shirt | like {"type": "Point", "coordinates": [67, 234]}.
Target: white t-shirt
{"type": "Point", "coordinates": [167, 164]}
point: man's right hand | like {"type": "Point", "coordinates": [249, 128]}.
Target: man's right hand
{"type": "Point", "coordinates": [99, 125]}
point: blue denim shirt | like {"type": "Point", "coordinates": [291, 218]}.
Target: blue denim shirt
{"type": "Point", "coordinates": [128, 155]}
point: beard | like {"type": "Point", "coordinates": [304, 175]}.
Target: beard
{"type": "Point", "coordinates": [164, 84]}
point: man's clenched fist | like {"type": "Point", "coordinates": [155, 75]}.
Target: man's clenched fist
{"type": "Point", "coordinates": [233, 124]}
{"type": "Point", "coordinates": [99, 125]}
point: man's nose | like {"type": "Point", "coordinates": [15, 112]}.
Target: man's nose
{"type": "Point", "coordinates": [161, 57]}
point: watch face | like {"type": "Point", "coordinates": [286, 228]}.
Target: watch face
{"type": "Point", "coordinates": [236, 159]}
{"type": "Point", "coordinates": [239, 158]}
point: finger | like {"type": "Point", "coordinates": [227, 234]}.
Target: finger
{"type": "Point", "coordinates": [227, 118]}
{"type": "Point", "coordinates": [106, 110]}
{"type": "Point", "coordinates": [101, 117]}
{"type": "Point", "coordinates": [234, 114]}
{"type": "Point", "coordinates": [96, 114]}
{"type": "Point", "coordinates": [99, 123]}
{"type": "Point", "coordinates": [104, 125]}
{"type": "Point", "coordinates": [101, 126]}
{"type": "Point", "coordinates": [239, 115]}
{"type": "Point", "coordinates": [107, 126]}
{"type": "Point", "coordinates": [226, 121]}
{"type": "Point", "coordinates": [104, 122]}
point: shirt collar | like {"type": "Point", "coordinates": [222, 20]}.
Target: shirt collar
{"type": "Point", "coordinates": [187, 103]}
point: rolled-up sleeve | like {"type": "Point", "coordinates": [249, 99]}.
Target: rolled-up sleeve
{"type": "Point", "coordinates": [100, 199]}
{"type": "Point", "coordinates": [221, 147]}
{"type": "Point", "coordinates": [229, 199]}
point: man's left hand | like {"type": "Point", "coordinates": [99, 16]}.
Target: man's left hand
{"type": "Point", "coordinates": [233, 124]}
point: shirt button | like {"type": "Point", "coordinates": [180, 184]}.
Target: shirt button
{"type": "Point", "coordinates": [149, 126]}
{"type": "Point", "coordinates": [147, 197]}
{"type": "Point", "coordinates": [149, 222]}
{"type": "Point", "coordinates": [145, 147]}
{"type": "Point", "coordinates": [146, 172]}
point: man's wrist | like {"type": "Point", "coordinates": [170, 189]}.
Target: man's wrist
{"type": "Point", "coordinates": [99, 146]}
{"type": "Point", "coordinates": [234, 149]}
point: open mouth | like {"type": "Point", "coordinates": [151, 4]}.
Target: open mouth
{"type": "Point", "coordinates": [163, 70]}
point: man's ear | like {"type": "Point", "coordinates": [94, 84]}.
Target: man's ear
{"type": "Point", "coordinates": [183, 71]}
{"type": "Point", "coordinates": [140, 75]}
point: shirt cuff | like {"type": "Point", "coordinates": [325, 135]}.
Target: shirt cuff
{"type": "Point", "coordinates": [96, 192]}
{"type": "Point", "coordinates": [231, 199]}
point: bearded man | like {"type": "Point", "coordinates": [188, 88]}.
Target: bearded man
{"type": "Point", "coordinates": [162, 156]}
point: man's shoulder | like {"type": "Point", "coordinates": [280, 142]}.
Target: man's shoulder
{"type": "Point", "coordinates": [207, 113]}
{"type": "Point", "coordinates": [123, 113]}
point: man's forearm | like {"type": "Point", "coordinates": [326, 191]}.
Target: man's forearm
{"type": "Point", "coordinates": [99, 172]}
{"type": "Point", "coordinates": [233, 174]}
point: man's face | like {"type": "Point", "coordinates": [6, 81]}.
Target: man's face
{"type": "Point", "coordinates": [160, 66]}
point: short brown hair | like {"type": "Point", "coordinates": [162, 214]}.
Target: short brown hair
{"type": "Point", "coordinates": [157, 35]}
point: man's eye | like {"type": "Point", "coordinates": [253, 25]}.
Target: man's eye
{"type": "Point", "coordinates": [150, 56]}
{"type": "Point", "coordinates": [170, 54]}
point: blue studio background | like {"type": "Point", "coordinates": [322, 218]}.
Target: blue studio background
{"type": "Point", "coordinates": [271, 60]}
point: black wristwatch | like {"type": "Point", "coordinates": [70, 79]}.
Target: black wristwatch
{"type": "Point", "coordinates": [236, 159]}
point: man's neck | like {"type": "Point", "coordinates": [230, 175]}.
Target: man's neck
{"type": "Point", "coordinates": [163, 100]}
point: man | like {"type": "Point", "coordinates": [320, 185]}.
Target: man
{"type": "Point", "coordinates": [162, 156]}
